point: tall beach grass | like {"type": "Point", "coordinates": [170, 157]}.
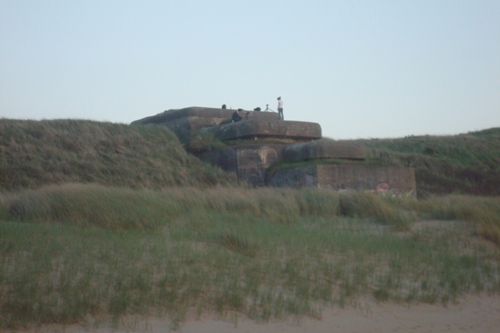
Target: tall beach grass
{"type": "Point", "coordinates": [90, 254]}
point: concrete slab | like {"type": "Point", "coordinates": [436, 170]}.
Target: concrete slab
{"type": "Point", "coordinates": [324, 148]}
{"type": "Point", "coordinates": [344, 177]}
{"type": "Point", "coordinates": [251, 129]}
{"type": "Point", "coordinates": [202, 112]}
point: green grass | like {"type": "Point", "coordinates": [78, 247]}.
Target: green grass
{"type": "Point", "coordinates": [460, 164]}
{"type": "Point", "coordinates": [484, 212]}
{"type": "Point", "coordinates": [99, 221]}
{"type": "Point", "coordinates": [37, 153]}
{"type": "Point", "coordinates": [367, 205]}
{"type": "Point", "coordinates": [81, 253]}
{"type": "Point", "coordinates": [203, 142]}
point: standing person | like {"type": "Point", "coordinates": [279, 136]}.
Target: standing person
{"type": "Point", "coordinates": [280, 108]}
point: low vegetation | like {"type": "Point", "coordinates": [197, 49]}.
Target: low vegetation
{"type": "Point", "coordinates": [90, 253]}
{"type": "Point", "coordinates": [203, 142]}
{"type": "Point", "coordinates": [37, 153]}
{"type": "Point", "coordinates": [101, 221]}
{"type": "Point", "coordinates": [460, 164]}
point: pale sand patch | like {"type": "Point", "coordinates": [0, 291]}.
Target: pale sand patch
{"type": "Point", "coordinates": [475, 314]}
{"type": "Point", "coordinates": [471, 314]}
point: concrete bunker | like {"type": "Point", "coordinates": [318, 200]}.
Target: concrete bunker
{"type": "Point", "coordinates": [266, 151]}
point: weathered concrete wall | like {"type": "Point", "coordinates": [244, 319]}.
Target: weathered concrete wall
{"type": "Point", "coordinates": [296, 177]}
{"type": "Point", "coordinates": [324, 148]}
{"type": "Point", "coordinates": [340, 177]}
{"type": "Point", "coordinates": [225, 158]}
{"type": "Point", "coordinates": [253, 162]}
{"type": "Point", "coordinates": [248, 162]}
{"type": "Point", "coordinates": [251, 129]}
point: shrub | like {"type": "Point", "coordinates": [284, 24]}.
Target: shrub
{"type": "Point", "coordinates": [369, 205]}
{"type": "Point", "coordinates": [202, 142]}
{"type": "Point", "coordinates": [483, 211]}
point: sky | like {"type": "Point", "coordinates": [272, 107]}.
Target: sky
{"type": "Point", "coordinates": [359, 68]}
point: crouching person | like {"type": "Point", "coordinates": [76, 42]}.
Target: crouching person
{"type": "Point", "coordinates": [237, 115]}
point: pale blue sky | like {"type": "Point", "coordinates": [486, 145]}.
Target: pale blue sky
{"type": "Point", "coordinates": [361, 69]}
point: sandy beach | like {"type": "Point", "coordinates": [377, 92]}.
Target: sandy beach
{"type": "Point", "coordinates": [474, 314]}
{"type": "Point", "coordinates": [470, 314]}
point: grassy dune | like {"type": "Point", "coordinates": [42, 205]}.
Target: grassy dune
{"type": "Point", "coordinates": [37, 153]}
{"type": "Point", "coordinates": [460, 164]}
{"type": "Point", "coordinates": [99, 221]}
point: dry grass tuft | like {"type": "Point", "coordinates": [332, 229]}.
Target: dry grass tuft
{"type": "Point", "coordinates": [236, 242]}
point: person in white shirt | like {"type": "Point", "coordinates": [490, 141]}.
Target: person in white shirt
{"type": "Point", "coordinates": [280, 108]}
